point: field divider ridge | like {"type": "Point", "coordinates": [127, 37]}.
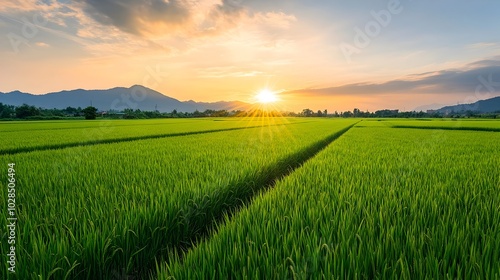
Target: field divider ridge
{"type": "Point", "coordinates": [200, 218]}
{"type": "Point", "coordinates": [120, 140]}
{"type": "Point", "coordinates": [484, 129]}
{"type": "Point", "coordinates": [122, 226]}
{"type": "Point", "coordinates": [83, 127]}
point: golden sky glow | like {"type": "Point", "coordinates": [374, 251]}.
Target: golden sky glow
{"type": "Point", "coordinates": [266, 96]}
{"type": "Point", "coordinates": [212, 50]}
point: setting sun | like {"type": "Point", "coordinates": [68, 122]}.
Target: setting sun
{"type": "Point", "coordinates": [266, 96]}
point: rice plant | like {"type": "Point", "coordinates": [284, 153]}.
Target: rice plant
{"type": "Point", "coordinates": [378, 203]}
{"type": "Point", "coordinates": [31, 136]}
{"type": "Point", "coordinates": [94, 212]}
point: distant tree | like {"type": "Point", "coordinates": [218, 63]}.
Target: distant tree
{"type": "Point", "coordinates": [25, 111]}
{"type": "Point", "coordinates": [7, 111]}
{"type": "Point", "coordinates": [90, 113]}
{"type": "Point", "coordinates": [325, 113]}
{"type": "Point", "coordinates": [307, 112]}
{"type": "Point", "coordinates": [347, 114]}
{"type": "Point", "coordinates": [220, 113]}
{"type": "Point", "coordinates": [208, 112]}
{"type": "Point", "coordinates": [70, 111]}
{"type": "Point", "coordinates": [319, 113]}
{"type": "Point", "coordinates": [238, 113]}
{"type": "Point", "coordinates": [139, 114]}
{"type": "Point", "coordinates": [197, 114]}
{"type": "Point", "coordinates": [356, 112]}
{"type": "Point", "coordinates": [128, 114]}
{"type": "Point", "coordinates": [151, 114]}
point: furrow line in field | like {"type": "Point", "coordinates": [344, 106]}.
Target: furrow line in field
{"type": "Point", "coordinates": [122, 208]}
{"type": "Point", "coordinates": [483, 129]}
{"type": "Point", "coordinates": [244, 191]}
{"type": "Point", "coordinates": [119, 140]}
{"type": "Point", "coordinates": [380, 203]}
{"type": "Point", "coordinates": [80, 127]}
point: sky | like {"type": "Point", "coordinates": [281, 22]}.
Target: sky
{"type": "Point", "coordinates": [317, 54]}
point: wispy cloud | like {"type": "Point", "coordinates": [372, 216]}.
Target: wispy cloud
{"type": "Point", "coordinates": [450, 81]}
{"type": "Point", "coordinates": [159, 18]}
{"type": "Point", "coordinates": [228, 72]}
{"type": "Point", "coordinates": [124, 27]}
{"type": "Point", "coordinates": [42, 44]}
{"type": "Point", "coordinates": [483, 45]}
{"type": "Point", "coordinates": [138, 17]}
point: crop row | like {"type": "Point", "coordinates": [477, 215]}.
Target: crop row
{"type": "Point", "coordinates": [97, 211]}
{"type": "Point", "coordinates": [447, 124]}
{"type": "Point", "coordinates": [378, 203]}
{"type": "Point", "coordinates": [110, 131]}
{"type": "Point", "coordinates": [12, 126]}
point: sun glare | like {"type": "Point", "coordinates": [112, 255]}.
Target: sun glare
{"type": "Point", "coordinates": [266, 96]}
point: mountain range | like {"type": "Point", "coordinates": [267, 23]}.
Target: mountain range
{"type": "Point", "coordinates": [483, 106]}
{"type": "Point", "coordinates": [119, 98]}
{"type": "Point", "coordinates": [146, 99]}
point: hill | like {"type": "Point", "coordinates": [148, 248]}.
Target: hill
{"type": "Point", "coordinates": [483, 106]}
{"type": "Point", "coordinates": [119, 98]}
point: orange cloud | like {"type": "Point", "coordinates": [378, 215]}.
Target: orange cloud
{"type": "Point", "coordinates": [42, 44]}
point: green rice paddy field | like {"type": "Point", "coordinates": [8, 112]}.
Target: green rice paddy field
{"type": "Point", "coordinates": [260, 198]}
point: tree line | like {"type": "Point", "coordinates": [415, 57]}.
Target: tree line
{"type": "Point", "coordinates": [27, 112]}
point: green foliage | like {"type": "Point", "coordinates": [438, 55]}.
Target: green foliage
{"type": "Point", "coordinates": [95, 211]}
{"type": "Point", "coordinates": [90, 113]}
{"type": "Point", "coordinates": [27, 136]}
{"type": "Point", "coordinates": [378, 203]}
{"type": "Point", "coordinates": [448, 124]}
{"type": "Point", "coordinates": [7, 111]}
{"type": "Point", "coordinates": [24, 111]}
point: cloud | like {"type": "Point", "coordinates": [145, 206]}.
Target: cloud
{"type": "Point", "coordinates": [36, 11]}
{"type": "Point", "coordinates": [494, 61]}
{"type": "Point", "coordinates": [276, 20]}
{"type": "Point", "coordinates": [484, 74]}
{"type": "Point", "coordinates": [17, 5]}
{"type": "Point", "coordinates": [153, 18]}
{"type": "Point", "coordinates": [139, 17]}
{"type": "Point", "coordinates": [184, 18]}
{"type": "Point", "coordinates": [484, 45]}
{"type": "Point", "coordinates": [124, 27]}
{"type": "Point", "coordinates": [155, 27]}
{"type": "Point", "coordinates": [228, 72]}
{"type": "Point", "coordinates": [42, 44]}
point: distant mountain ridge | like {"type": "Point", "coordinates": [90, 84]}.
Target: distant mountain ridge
{"type": "Point", "coordinates": [491, 105]}
{"type": "Point", "coordinates": [146, 99]}
{"type": "Point", "coordinates": [119, 98]}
